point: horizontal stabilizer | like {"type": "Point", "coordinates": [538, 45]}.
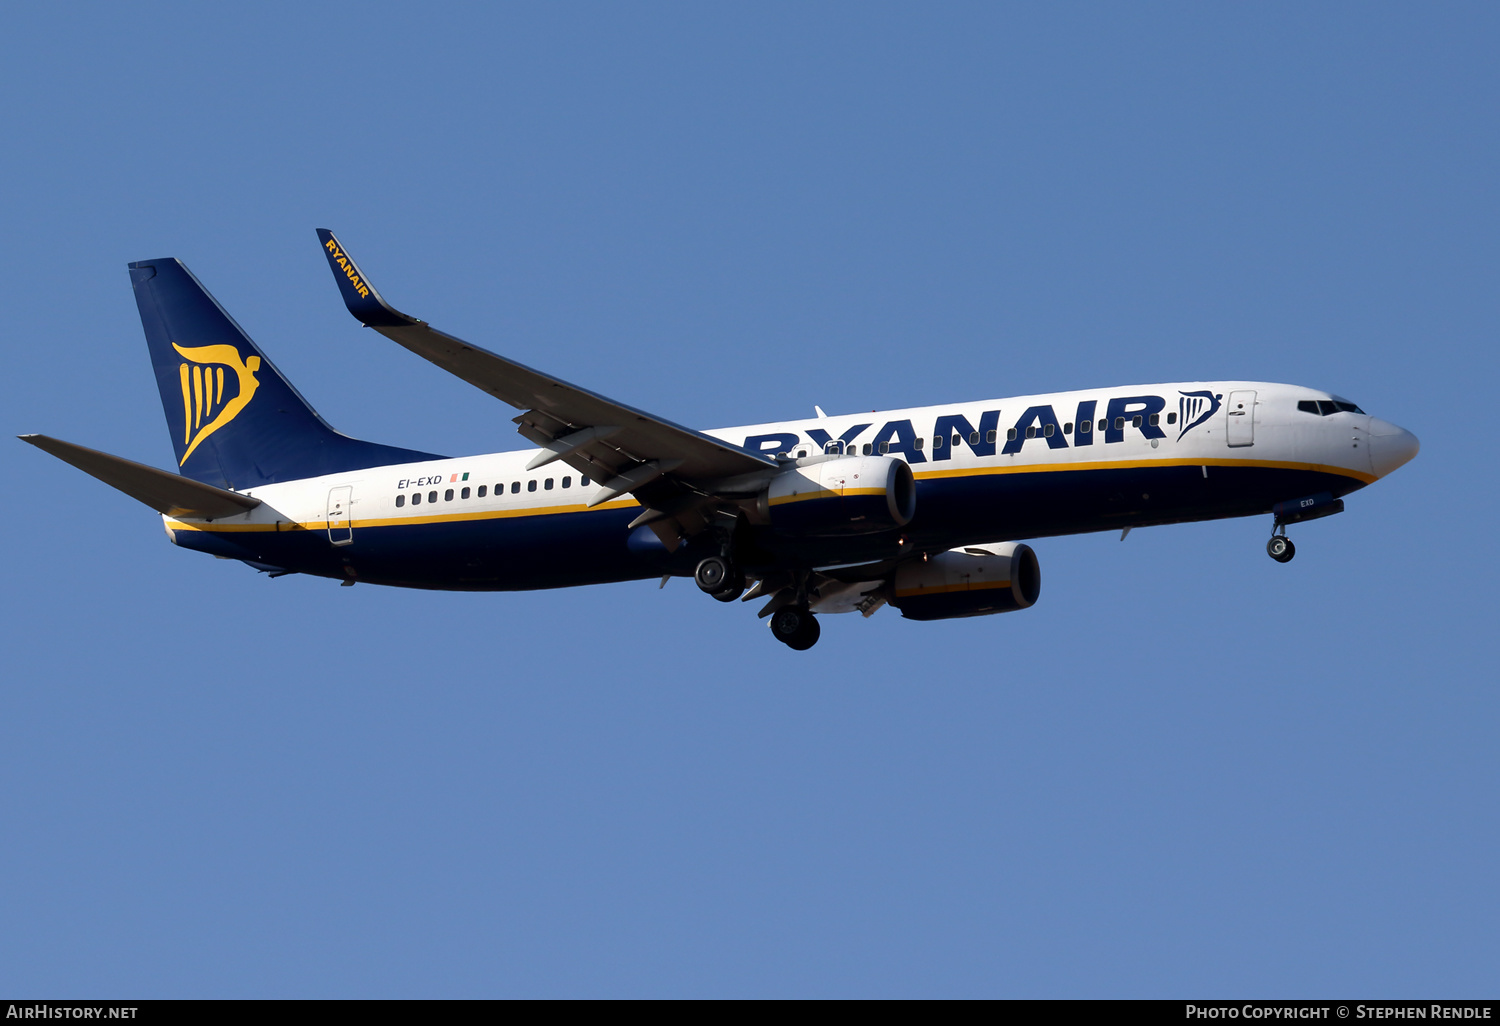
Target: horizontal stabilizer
{"type": "Point", "coordinates": [162, 490]}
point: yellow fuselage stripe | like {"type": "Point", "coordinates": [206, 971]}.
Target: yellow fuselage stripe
{"type": "Point", "coordinates": [1045, 468]}
{"type": "Point", "coordinates": [448, 518]}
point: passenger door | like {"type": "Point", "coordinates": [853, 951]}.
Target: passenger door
{"type": "Point", "coordinates": [340, 527]}
{"type": "Point", "coordinates": [1241, 418]}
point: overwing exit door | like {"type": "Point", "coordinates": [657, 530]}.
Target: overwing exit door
{"type": "Point", "coordinates": [1241, 418]}
{"type": "Point", "coordinates": [340, 528]}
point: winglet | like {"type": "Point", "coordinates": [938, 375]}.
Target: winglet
{"type": "Point", "coordinates": [359, 295]}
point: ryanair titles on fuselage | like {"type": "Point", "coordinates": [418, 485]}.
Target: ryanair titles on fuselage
{"type": "Point", "coordinates": [1142, 413]}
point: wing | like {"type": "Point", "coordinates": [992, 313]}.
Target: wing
{"type": "Point", "coordinates": [163, 491]}
{"type": "Point", "coordinates": [676, 472]}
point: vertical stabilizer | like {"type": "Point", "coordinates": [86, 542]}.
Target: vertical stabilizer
{"type": "Point", "coordinates": [235, 421]}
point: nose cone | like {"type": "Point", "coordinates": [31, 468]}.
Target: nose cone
{"type": "Point", "coordinates": [1390, 446]}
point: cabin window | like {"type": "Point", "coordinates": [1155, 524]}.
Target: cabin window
{"type": "Point", "coordinates": [464, 494]}
{"type": "Point", "coordinates": [1068, 428]}
{"type": "Point", "coordinates": [1085, 426]}
{"type": "Point", "coordinates": [1135, 421]}
{"type": "Point", "coordinates": [937, 442]}
{"type": "Point", "coordinates": [515, 486]}
{"type": "Point", "coordinates": [1155, 419]}
{"type": "Point", "coordinates": [1047, 430]}
{"type": "Point", "coordinates": [416, 498]}
{"type": "Point", "coordinates": [567, 482]}
{"type": "Point", "coordinates": [548, 484]}
{"type": "Point", "coordinates": [973, 437]}
{"type": "Point", "coordinates": [885, 447]}
{"type": "Point", "coordinates": [448, 495]}
{"type": "Point", "coordinates": [483, 491]}
{"type": "Point", "coordinates": [918, 443]}
{"type": "Point", "coordinates": [958, 440]}
{"type": "Point", "coordinates": [990, 436]}
{"type": "Point", "coordinates": [1103, 424]}
{"type": "Point", "coordinates": [583, 482]}
{"type": "Point", "coordinates": [801, 454]}
{"type": "Point", "coordinates": [1010, 436]}
{"type": "Point", "coordinates": [868, 448]}
{"type": "Point", "coordinates": [1119, 423]}
{"type": "Point", "coordinates": [531, 485]}
{"type": "Point", "coordinates": [400, 501]}
{"type": "Point", "coordinates": [1171, 418]}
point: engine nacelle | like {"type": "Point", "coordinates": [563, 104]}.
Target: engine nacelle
{"type": "Point", "coordinates": [850, 495]}
{"type": "Point", "coordinates": [973, 581]}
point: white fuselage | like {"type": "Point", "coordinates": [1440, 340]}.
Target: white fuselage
{"type": "Point", "coordinates": [1173, 432]}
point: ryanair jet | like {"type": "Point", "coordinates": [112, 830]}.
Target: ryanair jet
{"type": "Point", "coordinates": [921, 509]}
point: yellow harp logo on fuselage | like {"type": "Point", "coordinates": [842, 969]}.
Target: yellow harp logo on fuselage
{"type": "Point", "coordinates": [204, 406]}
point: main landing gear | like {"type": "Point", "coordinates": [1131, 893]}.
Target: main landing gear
{"type": "Point", "coordinates": [720, 578]}
{"type": "Point", "coordinates": [1280, 548]}
{"type": "Point", "coordinates": [796, 627]}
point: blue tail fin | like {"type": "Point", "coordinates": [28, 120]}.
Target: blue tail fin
{"type": "Point", "coordinates": [235, 421]}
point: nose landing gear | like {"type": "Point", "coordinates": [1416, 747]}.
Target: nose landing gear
{"type": "Point", "coordinates": [1297, 511]}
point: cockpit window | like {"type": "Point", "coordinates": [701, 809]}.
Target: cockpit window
{"type": "Point", "coordinates": [1327, 407]}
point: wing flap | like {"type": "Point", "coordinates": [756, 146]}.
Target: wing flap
{"type": "Point", "coordinates": [162, 490]}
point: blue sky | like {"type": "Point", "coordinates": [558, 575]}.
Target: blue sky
{"type": "Point", "coordinates": [1188, 771]}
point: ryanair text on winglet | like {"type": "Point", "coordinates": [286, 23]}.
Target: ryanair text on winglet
{"type": "Point", "coordinates": [348, 266]}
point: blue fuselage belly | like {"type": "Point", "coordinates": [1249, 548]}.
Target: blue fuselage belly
{"type": "Point", "coordinates": [552, 550]}
{"type": "Point", "coordinates": [1004, 507]}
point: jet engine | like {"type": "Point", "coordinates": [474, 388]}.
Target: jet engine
{"type": "Point", "coordinates": [849, 495]}
{"type": "Point", "coordinates": [972, 581]}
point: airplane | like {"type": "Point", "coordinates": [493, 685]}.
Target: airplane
{"type": "Point", "coordinates": [922, 509]}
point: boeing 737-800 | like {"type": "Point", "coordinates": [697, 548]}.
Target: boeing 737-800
{"type": "Point", "coordinates": [923, 509]}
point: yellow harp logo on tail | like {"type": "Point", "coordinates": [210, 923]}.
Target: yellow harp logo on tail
{"type": "Point", "coordinates": [205, 407]}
